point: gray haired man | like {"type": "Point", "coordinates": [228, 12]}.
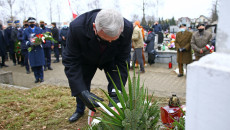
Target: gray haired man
{"type": "Point", "coordinates": [97, 39]}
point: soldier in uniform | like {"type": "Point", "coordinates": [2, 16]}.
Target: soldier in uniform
{"type": "Point", "coordinates": [9, 42]}
{"type": "Point", "coordinates": [183, 46]}
{"type": "Point", "coordinates": [48, 46]}
{"type": "Point", "coordinates": [36, 53]}
{"type": "Point", "coordinates": [55, 34]}
{"type": "Point", "coordinates": [14, 37]}
{"type": "Point", "coordinates": [24, 47]}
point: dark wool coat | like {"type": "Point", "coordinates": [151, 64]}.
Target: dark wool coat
{"type": "Point", "coordinates": [36, 55]}
{"type": "Point", "coordinates": [183, 40]}
{"type": "Point", "coordinates": [84, 53]}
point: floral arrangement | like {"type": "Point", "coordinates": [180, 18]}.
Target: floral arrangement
{"type": "Point", "coordinates": [171, 44]}
{"type": "Point", "coordinates": [17, 48]}
{"type": "Point", "coordinates": [41, 38]}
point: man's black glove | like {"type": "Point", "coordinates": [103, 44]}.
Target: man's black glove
{"type": "Point", "coordinates": [182, 49]}
{"type": "Point", "coordinates": [89, 99]}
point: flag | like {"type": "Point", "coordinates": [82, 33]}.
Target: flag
{"type": "Point", "coordinates": [73, 12]}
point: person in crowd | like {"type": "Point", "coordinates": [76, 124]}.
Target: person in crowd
{"type": "Point", "coordinates": [138, 44]}
{"type": "Point", "coordinates": [14, 38]}
{"type": "Point", "coordinates": [183, 47]}
{"type": "Point", "coordinates": [96, 39]}
{"type": "Point", "coordinates": [63, 35]}
{"type": "Point", "coordinates": [9, 42]}
{"type": "Point", "coordinates": [201, 42]}
{"type": "Point", "coordinates": [36, 53]}
{"type": "Point", "coordinates": [47, 46]}
{"type": "Point", "coordinates": [157, 27]}
{"type": "Point", "coordinates": [150, 46]}
{"type": "Point", "coordinates": [2, 47]}
{"type": "Point", "coordinates": [143, 35]}
{"type": "Point", "coordinates": [24, 47]}
{"type": "Point", "coordinates": [190, 29]}
{"type": "Point", "coordinates": [55, 34]}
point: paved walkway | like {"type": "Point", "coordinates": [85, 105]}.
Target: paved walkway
{"type": "Point", "coordinates": [158, 78]}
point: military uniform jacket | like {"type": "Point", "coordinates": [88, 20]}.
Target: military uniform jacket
{"type": "Point", "coordinates": [83, 54]}
{"type": "Point", "coordinates": [183, 40]}
{"type": "Point", "coordinates": [36, 55]}
{"type": "Point", "coordinates": [199, 41]}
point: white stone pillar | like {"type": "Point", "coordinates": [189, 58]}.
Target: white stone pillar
{"type": "Point", "coordinates": [208, 82]}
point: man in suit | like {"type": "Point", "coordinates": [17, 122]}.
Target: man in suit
{"type": "Point", "coordinates": [9, 41]}
{"type": "Point", "coordinates": [63, 35]}
{"type": "Point", "coordinates": [96, 39]}
{"type": "Point", "coordinates": [183, 46]}
{"type": "Point", "coordinates": [48, 46]}
{"type": "Point", "coordinates": [2, 48]}
{"type": "Point", "coordinates": [36, 53]}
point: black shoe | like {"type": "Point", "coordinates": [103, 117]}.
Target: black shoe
{"type": "Point", "coordinates": [41, 80]}
{"type": "Point", "coordinates": [113, 95]}
{"type": "Point", "coordinates": [76, 116]}
{"type": "Point", "coordinates": [180, 75]}
{"type": "Point", "coordinates": [141, 72]}
{"type": "Point", "coordinates": [28, 72]}
{"type": "Point", "coordinates": [36, 81]}
{"type": "Point", "coordinates": [45, 69]}
{"type": "Point", "coordinates": [49, 68]}
{"type": "Point", "coordinates": [4, 65]}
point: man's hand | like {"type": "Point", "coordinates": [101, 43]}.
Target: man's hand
{"type": "Point", "coordinates": [201, 51]}
{"type": "Point", "coordinates": [63, 37]}
{"type": "Point", "coordinates": [89, 99]}
{"type": "Point", "coordinates": [52, 47]}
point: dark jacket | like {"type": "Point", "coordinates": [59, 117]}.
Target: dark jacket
{"type": "Point", "coordinates": [150, 42]}
{"type": "Point", "coordinates": [82, 55]}
{"type": "Point", "coordinates": [55, 34]}
{"type": "Point", "coordinates": [36, 55]}
{"type": "Point", "coordinates": [48, 43]}
{"type": "Point", "coordinates": [9, 42]}
{"type": "Point", "coordinates": [14, 35]}
{"type": "Point", "coordinates": [157, 28]}
{"type": "Point", "coordinates": [64, 32]}
{"type": "Point", "coordinates": [2, 44]}
{"type": "Point", "coordinates": [20, 38]}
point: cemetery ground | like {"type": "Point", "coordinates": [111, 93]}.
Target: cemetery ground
{"type": "Point", "coordinates": [49, 105]}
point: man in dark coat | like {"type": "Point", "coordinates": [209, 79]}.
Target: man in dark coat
{"type": "Point", "coordinates": [55, 34]}
{"type": "Point", "coordinates": [183, 47]}
{"type": "Point", "coordinates": [14, 37]}
{"type": "Point", "coordinates": [36, 53]}
{"type": "Point", "coordinates": [24, 47]}
{"type": "Point", "coordinates": [157, 27]}
{"type": "Point", "coordinates": [2, 48]}
{"type": "Point", "coordinates": [63, 35]}
{"type": "Point", "coordinates": [9, 42]}
{"type": "Point", "coordinates": [48, 46]}
{"type": "Point", "coordinates": [150, 47]}
{"type": "Point", "coordinates": [97, 39]}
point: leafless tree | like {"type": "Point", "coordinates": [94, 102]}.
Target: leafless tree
{"type": "Point", "coordinates": [50, 10]}
{"type": "Point", "coordinates": [93, 4]}
{"type": "Point", "coordinates": [214, 14]}
{"type": "Point", "coordinates": [150, 20]}
{"type": "Point", "coordinates": [11, 3]}
{"type": "Point", "coordinates": [135, 17]}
